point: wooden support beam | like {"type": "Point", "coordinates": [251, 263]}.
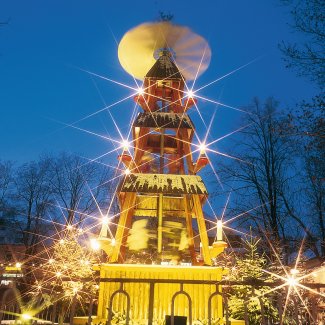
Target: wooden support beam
{"type": "Point", "coordinates": [189, 228]}
{"type": "Point", "coordinates": [187, 150]}
{"type": "Point", "coordinates": [139, 144]}
{"type": "Point", "coordinates": [123, 226]}
{"type": "Point", "coordinates": [202, 229]}
{"type": "Point", "coordinates": [160, 222]}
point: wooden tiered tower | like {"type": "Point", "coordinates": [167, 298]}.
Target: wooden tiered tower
{"type": "Point", "coordinates": [166, 186]}
{"type": "Point", "coordinates": [161, 185]}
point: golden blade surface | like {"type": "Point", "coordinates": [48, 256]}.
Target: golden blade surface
{"type": "Point", "coordinates": [138, 47]}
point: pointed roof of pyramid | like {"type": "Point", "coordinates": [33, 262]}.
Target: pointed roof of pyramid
{"type": "Point", "coordinates": [164, 68]}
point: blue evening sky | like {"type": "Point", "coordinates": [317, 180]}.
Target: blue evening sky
{"type": "Point", "coordinates": [47, 44]}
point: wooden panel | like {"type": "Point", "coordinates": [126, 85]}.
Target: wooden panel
{"type": "Point", "coordinates": [146, 206]}
{"type": "Point", "coordinates": [139, 292]}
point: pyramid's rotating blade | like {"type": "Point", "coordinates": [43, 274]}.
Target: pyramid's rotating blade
{"type": "Point", "coordinates": [138, 47]}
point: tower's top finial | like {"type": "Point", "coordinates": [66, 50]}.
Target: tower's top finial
{"type": "Point", "coordinates": [165, 16]}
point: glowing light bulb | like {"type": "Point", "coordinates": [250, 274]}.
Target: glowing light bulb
{"type": "Point", "coordinates": [113, 242]}
{"type": "Point", "coordinates": [105, 220]}
{"type": "Point", "coordinates": [189, 94]}
{"type": "Point", "coordinates": [126, 144]}
{"type": "Point", "coordinates": [94, 244]}
{"type": "Point", "coordinates": [75, 290]}
{"type": "Point", "coordinates": [140, 91]}
{"type": "Point", "coordinates": [69, 227]}
{"type": "Point", "coordinates": [58, 274]}
{"type": "Point", "coordinates": [127, 171]}
{"type": "Point", "coordinates": [51, 261]}
{"type": "Point", "coordinates": [26, 316]}
{"type": "Point", "coordinates": [219, 230]}
{"type": "Point", "coordinates": [61, 241]}
{"type": "Point", "coordinates": [292, 281]}
{"type": "Point", "coordinates": [294, 271]}
{"type": "Point", "coordinates": [18, 264]}
{"type": "Point", "coordinates": [202, 147]}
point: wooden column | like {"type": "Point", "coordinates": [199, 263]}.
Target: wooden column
{"type": "Point", "coordinates": [127, 210]}
{"type": "Point", "coordinates": [202, 229]}
{"type": "Point", "coordinates": [189, 228]}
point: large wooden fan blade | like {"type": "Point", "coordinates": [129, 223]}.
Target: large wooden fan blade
{"type": "Point", "coordinates": [139, 46]}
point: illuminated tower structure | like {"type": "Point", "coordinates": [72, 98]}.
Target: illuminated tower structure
{"type": "Point", "coordinates": [163, 131]}
{"type": "Point", "coordinates": [161, 184]}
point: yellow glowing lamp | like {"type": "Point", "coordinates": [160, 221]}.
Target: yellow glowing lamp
{"type": "Point", "coordinates": [26, 316]}
{"type": "Point", "coordinates": [219, 230]}
{"type": "Point", "coordinates": [292, 281]}
{"type": "Point", "coordinates": [140, 45]}
{"type": "Point", "coordinates": [105, 220]}
{"type": "Point", "coordinates": [202, 147]}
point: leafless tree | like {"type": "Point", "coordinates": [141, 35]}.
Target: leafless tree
{"type": "Point", "coordinates": [33, 196]}
{"type": "Point", "coordinates": [267, 178]}
{"type": "Point", "coordinates": [6, 174]}
{"type": "Point", "coordinates": [6, 184]}
{"type": "Point", "coordinates": [79, 187]}
{"type": "Point", "coordinates": [307, 58]}
{"type": "Point", "coordinates": [311, 126]}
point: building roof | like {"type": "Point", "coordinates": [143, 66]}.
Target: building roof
{"type": "Point", "coordinates": [164, 68]}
